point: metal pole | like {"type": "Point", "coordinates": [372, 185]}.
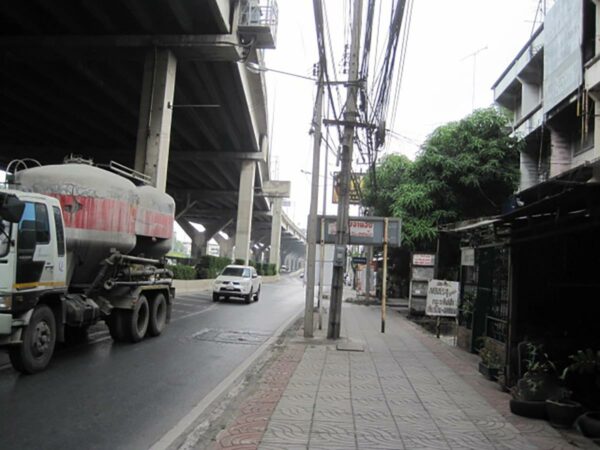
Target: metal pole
{"type": "Point", "coordinates": [384, 281]}
{"type": "Point", "coordinates": [337, 281]}
{"type": "Point", "coordinates": [321, 276]}
{"type": "Point", "coordinates": [311, 233]}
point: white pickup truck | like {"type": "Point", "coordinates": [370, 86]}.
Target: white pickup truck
{"type": "Point", "coordinates": [237, 281]}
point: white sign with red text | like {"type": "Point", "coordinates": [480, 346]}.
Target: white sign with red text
{"type": "Point", "coordinates": [358, 228]}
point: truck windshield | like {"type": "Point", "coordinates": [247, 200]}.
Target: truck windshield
{"type": "Point", "coordinates": [5, 231]}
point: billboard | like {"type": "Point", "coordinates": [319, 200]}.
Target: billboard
{"type": "Point", "coordinates": [362, 230]}
{"type": "Point", "coordinates": [563, 34]}
{"type": "Point", "coordinates": [357, 181]}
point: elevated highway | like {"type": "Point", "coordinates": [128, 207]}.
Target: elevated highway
{"type": "Point", "coordinates": [162, 87]}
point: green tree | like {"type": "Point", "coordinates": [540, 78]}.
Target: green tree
{"type": "Point", "coordinates": [465, 169]}
{"type": "Point", "coordinates": [381, 183]}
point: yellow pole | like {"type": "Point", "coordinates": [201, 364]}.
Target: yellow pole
{"type": "Point", "coordinates": [384, 281]}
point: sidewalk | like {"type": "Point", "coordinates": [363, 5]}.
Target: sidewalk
{"type": "Point", "coordinates": [406, 390]}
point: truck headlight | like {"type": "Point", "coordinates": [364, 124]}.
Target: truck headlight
{"type": "Point", "coordinates": [5, 302]}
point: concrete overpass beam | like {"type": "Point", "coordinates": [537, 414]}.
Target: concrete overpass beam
{"type": "Point", "coordinates": [154, 127]}
{"type": "Point", "coordinates": [276, 233]}
{"type": "Point", "coordinates": [244, 214]}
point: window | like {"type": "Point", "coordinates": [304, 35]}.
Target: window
{"type": "Point", "coordinates": [60, 231]}
{"type": "Point", "coordinates": [5, 229]}
{"type": "Point", "coordinates": [34, 227]}
{"type": "Point", "coordinates": [42, 224]}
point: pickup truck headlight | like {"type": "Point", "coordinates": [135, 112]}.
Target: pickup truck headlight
{"type": "Point", "coordinates": [5, 302]}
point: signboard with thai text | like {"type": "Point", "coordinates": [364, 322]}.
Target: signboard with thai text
{"type": "Point", "coordinates": [423, 259]}
{"type": "Point", "coordinates": [362, 230]}
{"type": "Point", "coordinates": [442, 298]}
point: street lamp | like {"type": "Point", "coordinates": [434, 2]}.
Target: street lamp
{"type": "Point", "coordinates": [257, 68]}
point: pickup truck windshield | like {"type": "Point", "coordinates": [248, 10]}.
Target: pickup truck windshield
{"type": "Point", "coordinates": [236, 272]}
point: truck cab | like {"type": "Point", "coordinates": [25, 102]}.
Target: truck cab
{"type": "Point", "coordinates": [32, 270]}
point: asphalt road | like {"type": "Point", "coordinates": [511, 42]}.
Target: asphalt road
{"type": "Point", "coordinates": [103, 395]}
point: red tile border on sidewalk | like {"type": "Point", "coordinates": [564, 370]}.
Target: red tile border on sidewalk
{"type": "Point", "coordinates": [246, 431]}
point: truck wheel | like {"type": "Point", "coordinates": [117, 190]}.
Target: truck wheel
{"type": "Point", "coordinates": [158, 315]}
{"type": "Point", "coordinates": [257, 295]}
{"type": "Point", "coordinates": [139, 318]}
{"type": "Point", "coordinates": [215, 297]}
{"type": "Point", "coordinates": [39, 339]}
{"type": "Point", "coordinates": [117, 324]}
{"type": "Point", "coordinates": [248, 297]}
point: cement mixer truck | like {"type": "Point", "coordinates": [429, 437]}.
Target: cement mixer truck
{"type": "Point", "coordinates": [80, 244]}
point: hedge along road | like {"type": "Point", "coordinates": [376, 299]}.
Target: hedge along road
{"type": "Point", "coordinates": [120, 396]}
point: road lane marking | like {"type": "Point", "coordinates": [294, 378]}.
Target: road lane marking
{"type": "Point", "coordinates": [188, 420]}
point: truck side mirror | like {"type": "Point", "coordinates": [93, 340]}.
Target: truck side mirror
{"type": "Point", "coordinates": [11, 208]}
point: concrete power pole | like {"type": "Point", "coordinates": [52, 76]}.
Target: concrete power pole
{"type": "Point", "coordinates": [350, 116]}
{"type": "Point", "coordinates": [311, 232]}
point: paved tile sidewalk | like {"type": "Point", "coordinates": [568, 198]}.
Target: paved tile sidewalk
{"type": "Point", "coordinates": [405, 391]}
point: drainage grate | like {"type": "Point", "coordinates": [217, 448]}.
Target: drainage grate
{"type": "Point", "coordinates": [231, 337]}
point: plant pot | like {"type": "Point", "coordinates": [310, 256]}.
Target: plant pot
{"type": "Point", "coordinates": [491, 373]}
{"type": "Point", "coordinates": [533, 409]}
{"type": "Point", "coordinates": [562, 414]}
{"type": "Point", "coordinates": [589, 424]}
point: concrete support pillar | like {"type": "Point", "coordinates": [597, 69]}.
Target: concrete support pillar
{"type": "Point", "coordinates": [529, 171]}
{"type": "Point", "coordinates": [225, 246]}
{"type": "Point", "coordinates": [154, 127]}
{"type": "Point", "coordinates": [276, 233]}
{"type": "Point", "coordinates": [198, 238]}
{"type": "Point", "coordinates": [560, 152]}
{"type": "Point", "coordinates": [245, 207]}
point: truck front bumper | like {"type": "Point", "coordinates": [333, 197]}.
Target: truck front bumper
{"type": "Point", "coordinates": [6, 324]}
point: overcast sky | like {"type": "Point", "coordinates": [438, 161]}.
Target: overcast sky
{"type": "Point", "coordinates": [437, 84]}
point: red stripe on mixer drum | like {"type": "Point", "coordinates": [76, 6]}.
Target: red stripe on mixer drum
{"type": "Point", "coordinates": [106, 214]}
{"type": "Point", "coordinates": [102, 214]}
{"type": "Point", "coordinates": [154, 224]}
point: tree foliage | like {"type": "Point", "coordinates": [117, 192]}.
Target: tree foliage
{"type": "Point", "coordinates": [465, 169]}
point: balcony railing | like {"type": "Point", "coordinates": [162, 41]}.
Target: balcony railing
{"type": "Point", "coordinates": [258, 21]}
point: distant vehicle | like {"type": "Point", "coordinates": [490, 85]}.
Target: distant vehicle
{"type": "Point", "coordinates": [284, 268]}
{"type": "Point", "coordinates": [237, 281]}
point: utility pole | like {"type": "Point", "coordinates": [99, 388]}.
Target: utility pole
{"type": "Point", "coordinates": [311, 233]}
{"type": "Point", "coordinates": [322, 226]}
{"type": "Point", "coordinates": [350, 116]}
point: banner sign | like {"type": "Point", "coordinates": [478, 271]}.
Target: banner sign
{"type": "Point", "coordinates": [363, 230]}
{"type": "Point", "coordinates": [442, 298]}
{"type": "Point", "coordinates": [356, 184]}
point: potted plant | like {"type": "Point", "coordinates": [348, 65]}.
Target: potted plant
{"type": "Point", "coordinates": [491, 360]}
{"type": "Point", "coordinates": [538, 383]}
{"type": "Point", "coordinates": [584, 372]}
{"type": "Point", "coordinates": [561, 410]}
